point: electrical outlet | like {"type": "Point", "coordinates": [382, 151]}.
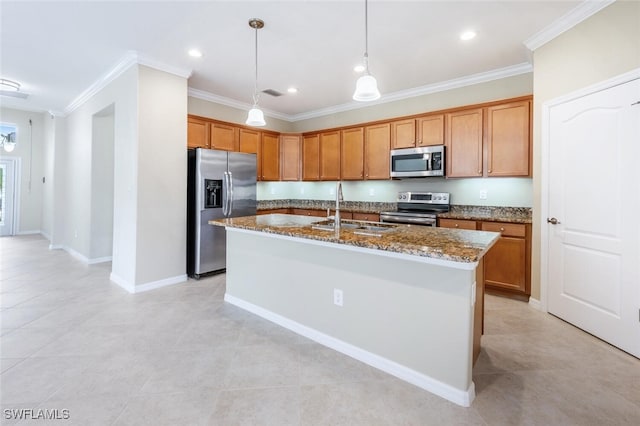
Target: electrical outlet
{"type": "Point", "coordinates": [372, 192]}
{"type": "Point", "coordinates": [337, 297]}
{"type": "Point", "coordinates": [302, 190]}
{"type": "Point", "coordinates": [483, 194]}
{"type": "Point", "coordinates": [273, 191]}
{"type": "Point", "coordinates": [332, 191]}
{"type": "Point", "coordinates": [75, 234]}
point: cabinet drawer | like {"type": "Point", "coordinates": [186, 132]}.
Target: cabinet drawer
{"type": "Point", "coordinates": [457, 223]}
{"type": "Point", "coordinates": [507, 229]}
{"type": "Point", "coordinates": [372, 217]}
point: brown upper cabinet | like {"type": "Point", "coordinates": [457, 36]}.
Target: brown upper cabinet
{"type": "Point", "coordinates": [270, 157]}
{"type": "Point", "coordinates": [377, 142]}
{"type": "Point", "coordinates": [352, 154]}
{"type": "Point", "coordinates": [197, 133]}
{"type": "Point", "coordinates": [464, 143]}
{"type": "Point", "coordinates": [330, 155]}
{"type": "Point", "coordinates": [249, 141]}
{"type": "Point", "coordinates": [311, 157]}
{"type": "Point", "coordinates": [290, 157]}
{"type": "Point", "coordinates": [415, 132]}
{"type": "Point", "coordinates": [224, 137]}
{"type": "Point", "coordinates": [508, 142]}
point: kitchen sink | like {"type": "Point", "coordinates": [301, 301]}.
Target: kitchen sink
{"type": "Point", "coordinates": [362, 228]}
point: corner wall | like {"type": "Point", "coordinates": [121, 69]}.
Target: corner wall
{"type": "Point", "coordinates": [601, 47]}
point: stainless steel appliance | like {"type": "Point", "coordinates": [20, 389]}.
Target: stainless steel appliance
{"type": "Point", "coordinates": [417, 162]}
{"type": "Point", "coordinates": [418, 208]}
{"type": "Point", "coordinates": [220, 184]}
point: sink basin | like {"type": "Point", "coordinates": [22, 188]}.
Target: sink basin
{"type": "Point", "coordinates": [361, 228]}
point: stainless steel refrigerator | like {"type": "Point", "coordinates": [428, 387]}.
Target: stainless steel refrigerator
{"type": "Point", "coordinates": [220, 184]}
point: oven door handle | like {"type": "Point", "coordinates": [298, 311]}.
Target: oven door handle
{"type": "Point", "coordinates": [417, 220]}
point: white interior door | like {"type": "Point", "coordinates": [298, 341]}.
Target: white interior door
{"type": "Point", "coordinates": [594, 194]}
{"type": "Point", "coordinates": [7, 196]}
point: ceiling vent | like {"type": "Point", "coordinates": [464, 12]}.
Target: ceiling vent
{"type": "Point", "coordinates": [272, 92]}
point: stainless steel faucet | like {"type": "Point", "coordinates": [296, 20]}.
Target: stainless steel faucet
{"type": "Point", "coordinates": [339, 198]}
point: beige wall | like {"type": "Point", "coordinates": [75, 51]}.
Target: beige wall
{"type": "Point", "coordinates": [603, 46]}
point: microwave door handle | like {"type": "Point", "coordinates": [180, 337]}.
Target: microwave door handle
{"type": "Point", "coordinates": [427, 157]}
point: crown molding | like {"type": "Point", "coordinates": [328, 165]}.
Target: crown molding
{"type": "Point", "coordinates": [208, 96]}
{"type": "Point", "coordinates": [569, 20]}
{"type": "Point", "coordinates": [129, 59]}
{"type": "Point", "coordinates": [483, 77]}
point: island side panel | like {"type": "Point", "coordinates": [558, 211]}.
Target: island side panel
{"type": "Point", "coordinates": [415, 314]}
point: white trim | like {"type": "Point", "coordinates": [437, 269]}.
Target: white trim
{"type": "Point", "coordinates": [569, 20]}
{"type": "Point", "coordinates": [133, 289]}
{"type": "Point", "coordinates": [463, 398]}
{"type": "Point", "coordinates": [47, 236]}
{"type": "Point", "coordinates": [544, 176]}
{"type": "Point", "coordinates": [535, 304]}
{"type": "Point", "coordinates": [129, 59]}
{"type": "Point", "coordinates": [457, 83]}
{"type": "Point", "coordinates": [99, 260]}
{"type": "Point", "coordinates": [467, 266]}
{"type": "Point", "coordinates": [30, 232]}
{"type": "Point", "coordinates": [76, 254]}
{"type": "Point", "coordinates": [207, 96]}
{"type": "Point", "coordinates": [56, 247]}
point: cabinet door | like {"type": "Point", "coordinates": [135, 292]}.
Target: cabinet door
{"type": "Point", "coordinates": [310, 212]}
{"type": "Point", "coordinates": [270, 157]}
{"type": "Point", "coordinates": [403, 133]}
{"type": "Point", "coordinates": [457, 224]}
{"type": "Point", "coordinates": [311, 157]}
{"type": "Point", "coordinates": [504, 264]}
{"type": "Point", "coordinates": [330, 156]}
{"type": "Point", "coordinates": [289, 157]}
{"type": "Point", "coordinates": [197, 133]}
{"type": "Point", "coordinates": [224, 137]}
{"type": "Point", "coordinates": [249, 141]}
{"type": "Point", "coordinates": [430, 130]}
{"type": "Point", "coordinates": [372, 217]}
{"type": "Point", "coordinates": [376, 151]}
{"type": "Point", "coordinates": [464, 143]}
{"type": "Point", "coordinates": [352, 154]}
{"type": "Point", "coordinates": [508, 139]}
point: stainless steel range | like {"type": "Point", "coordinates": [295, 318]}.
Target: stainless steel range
{"type": "Point", "coordinates": [418, 208]}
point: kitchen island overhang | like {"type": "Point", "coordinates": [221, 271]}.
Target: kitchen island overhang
{"type": "Point", "coordinates": [409, 315]}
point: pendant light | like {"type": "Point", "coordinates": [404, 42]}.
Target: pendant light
{"type": "Point", "coordinates": [256, 117]}
{"type": "Point", "coordinates": [366, 86]}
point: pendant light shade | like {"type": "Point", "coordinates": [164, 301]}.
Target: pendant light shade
{"type": "Point", "coordinates": [256, 117]}
{"type": "Point", "coordinates": [366, 86]}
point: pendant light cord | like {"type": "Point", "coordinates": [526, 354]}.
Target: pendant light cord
{"type": "Point", "coordinates": [255, 86]}
{"type": "Point", "coordinates": [366, 36]}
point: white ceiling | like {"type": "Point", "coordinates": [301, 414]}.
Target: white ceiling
{"type": "Point", "coordinates": [58, 50]}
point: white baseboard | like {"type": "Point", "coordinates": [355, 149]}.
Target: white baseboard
{"type": "Point", "coordinates": [47, 236]}
{"type": "Point", "coordinates": [535, 304]}
{"type": "Point", "coordinates": [56, 247]}
{"type": "Point", "coordinates": [32, 232]}
{"type": "Point", "coordinates": [463, 398]}
{"type": "Point", "coordinates": [132, 288]}
{"type": "Point", "coordinates": [99, 260]}
{"type": "Point", "coordinates": [76, 254]}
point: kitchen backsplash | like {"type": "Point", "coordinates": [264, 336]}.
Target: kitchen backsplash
{"type": "Point", "coordinates": [513, 192]}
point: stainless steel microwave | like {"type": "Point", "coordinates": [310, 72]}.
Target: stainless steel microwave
{"type": "Point", "coordinates": [417, 162]}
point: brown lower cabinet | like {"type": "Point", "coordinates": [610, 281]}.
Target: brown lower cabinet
{"type": "Point", "coordinates": [507, 265]}
{"type": "Point", "coordinates": [371, 217]}
{"type": "Point", "coordinates": [274, 211]}
{"type": "Point", "coordinates": [309, 212]}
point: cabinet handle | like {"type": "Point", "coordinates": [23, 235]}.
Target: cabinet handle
{"type": "Point", "coordinates": [489, 170]}
{"type": "Point", "coordinates": [479, 172]}
{"type": "Point", "coordinates": [501, 229]}
{"type": "Point", "coordinates": [457, 225]}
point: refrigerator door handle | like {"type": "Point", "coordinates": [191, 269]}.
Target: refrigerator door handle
{"type": "Point", "coordinates": [230, 193]}
{"type": "Point", "coordinates": [225, 192]}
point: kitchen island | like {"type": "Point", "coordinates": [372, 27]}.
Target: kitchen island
{"type": "Point", "coordinates": [401, 298]}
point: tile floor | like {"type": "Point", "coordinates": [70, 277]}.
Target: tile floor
{"type": "Point", "coordinates": [72, 340]}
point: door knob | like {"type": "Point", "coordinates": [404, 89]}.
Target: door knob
{"type": "Point", "coordinates": [553, 221]}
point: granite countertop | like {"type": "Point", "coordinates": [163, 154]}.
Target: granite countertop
{"type": "Point", "coordinates": [489, 213]}
{"type": "Point", "coordinates": [438, 243]}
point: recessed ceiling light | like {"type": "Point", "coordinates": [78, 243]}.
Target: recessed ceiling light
{"type": "Point", "coordinates": [358, 68]}
{"type": "Point", "coordinates": [467, 35]}
{"type": "Point", "coordinates": [292, 90]}
{"type": "Point", "coordinates": [195, 53]}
